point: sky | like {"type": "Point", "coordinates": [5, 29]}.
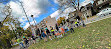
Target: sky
{"type": "Point", "coordinates": [39, 8]}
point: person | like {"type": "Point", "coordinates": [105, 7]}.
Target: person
{"type": "Point", "coordinates": [29, 38]}
{"type": "Point", "coordinates": [38, 32]}
{"type": "Point", "coordinates": [76, 23]}
{"type": "Point", "coordinates": [19, 40]}
{"type": "Point", "coordinates": [52, 31]}
{"type": "Point", "coordinates": [71, 28]}
{"type": "Point", "coordinates": [57, 28]}
{"type": "Point", "coordinates": [26, 41]}
{"type": "Point", "coordinates": [57, 34]}
{"type": "Point", "coordinates": [66, 29]}
{"type": "Point", "coordinates": [48, 33]}
{"type": "Point", "coordinates": [44, 35]}
{"type": "Point", "coordinates": [62, 31]}
{"type": "Point", "coordinates": [34, 41]}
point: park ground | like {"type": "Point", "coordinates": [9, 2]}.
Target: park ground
{"type": "Point", "coordinates": [96, 35]}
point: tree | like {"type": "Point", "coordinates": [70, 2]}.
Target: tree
{"type": "Point", "coordinates": [61, 20]}
{"type": "Point", "coordinates": [6, 36]}
{"type": "Point", "coordinates": [63, 4]}
{"type": "Point", "coordinates": [20, 31]}
{"type": "Point", "coordinates": [8, 26]}
{"type": "Point", "coordinates": [28, 33]}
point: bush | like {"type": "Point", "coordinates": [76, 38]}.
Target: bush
{"type": "Point", "coordinates": [2, 43]}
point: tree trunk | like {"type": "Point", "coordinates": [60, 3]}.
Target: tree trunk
{"type": "Point", "coordinates": [80, 15]}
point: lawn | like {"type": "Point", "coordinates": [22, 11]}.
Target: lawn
{"type": "Point", "coordinates": [94, 36]}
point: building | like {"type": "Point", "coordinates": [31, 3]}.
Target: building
{"type": "Point", "coordinates": [42, 24]}
{"type": "Point", "coordinates": [50, 22]}
{"type": "Point", "coordinates": [47, 22]}
{"type": "Point", "coordinates": [101, 4]}
{"type": "Point", "coordinates": [86, 11]}
{"type": "Point", "coordinates": [72, 16]}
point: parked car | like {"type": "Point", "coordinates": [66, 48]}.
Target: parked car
{"type": "Point", "coordinates": [104, 12]}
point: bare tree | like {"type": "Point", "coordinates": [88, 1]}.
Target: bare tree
{"type": "Point", "coordinates": [63, 4]}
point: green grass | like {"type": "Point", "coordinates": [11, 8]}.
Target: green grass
{"type": "Point", "coordinates": [94, 36]}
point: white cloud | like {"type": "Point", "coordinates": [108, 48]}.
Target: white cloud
{"type": "Point", "coordinates": [2, 16]}
{"type": "Point", "coordinates": [68, 10]}
{"type": "Point", "coordinates": [56, 1]}
{"type": "Point", "coordinates": [86, 2]}
{"type": "Point", "coordinates": [53, 9]}
{"type": "Point", "coordinates": [35, 7]}
{"type": "Point", "coordinates": [27, 24]}
{"type": "Point", "coordinates": [65, 12]}
{"type": "Point", "coordinates": [55, 14]}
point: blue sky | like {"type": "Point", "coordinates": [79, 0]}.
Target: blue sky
{"type": "Point", "coordinates": [50, 11]}
{"type": "Point", "coordinates": [38, 19]}
{"type": "Point", "coordinates": [40, 8]}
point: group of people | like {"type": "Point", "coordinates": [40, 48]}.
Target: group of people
{"type": "Point", "coordinates": [45, 33]}
{"type": "Point", "coordinates": [53, 32]}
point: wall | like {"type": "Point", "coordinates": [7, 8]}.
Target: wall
{"type": "Point", "coordinates": [50, 22]}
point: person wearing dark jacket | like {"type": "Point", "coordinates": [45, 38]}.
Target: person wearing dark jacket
{"type": "Point", "coordinates": [57, 28]}
{"type": "Point", "coordinates": [38, 33]}
{"type": "Point", "coordinates": [48, 33]}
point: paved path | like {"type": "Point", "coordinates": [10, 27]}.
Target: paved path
{"type": "Point", "coordinates": [17, 47]}
{"type": "Point", "coordinates": [95, 19]}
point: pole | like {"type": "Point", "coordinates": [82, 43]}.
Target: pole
{"type": "Point", "coordinates": [33, 19]}
{"type": "Point", "coordinates": [35, 24]}
{"type": "Point", "coordinates": [25, 13]}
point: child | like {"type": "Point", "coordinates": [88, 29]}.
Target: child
{"type": "Point", "coordinates": [44, 36]}
{"type": "Point", "coordinates": [62, 31]}
{"type": "Point", "coordinates": [58, 34]}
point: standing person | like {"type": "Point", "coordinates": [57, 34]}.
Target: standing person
{"type": "Point", "coordinates": [44, 35]}
{"type": "Point", "coordinates": [66, 29]}
{"type": "Point", "coordinates": [71, 28]}
{"type": "Point", "coordinates": [48, 33]}
{"type": "Point", "coordinates": [34, 41]}
{"type": "Point", "coordinates": [38, 32]}
{"type": "Point", "coordinates": [19, 40]}
{"type": "Point", "coordinates": [52, 31]}
{"type": "Point", "coordinates": [57, 28]}
{"type": "Point", "coordinates": [76, 23]}
{"type": "Point", "coordinates": [26, 42]}
{"type": "Point", "coordinates": [29, 40]}
{"type": "Point", "coordinates": [63, 30]}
